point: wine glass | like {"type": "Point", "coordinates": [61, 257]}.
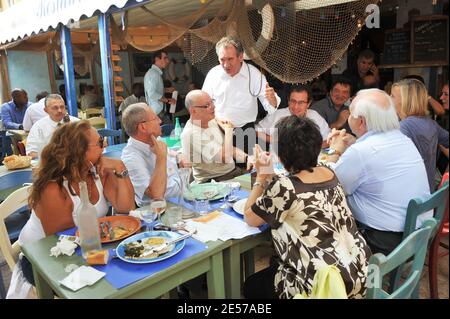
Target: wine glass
{"type": "Point", "coordinates": [148, 216]}
{"type": "Point", "coordinates": [158, 206]}
{"type": "Point", "coordinates": [226, 189]}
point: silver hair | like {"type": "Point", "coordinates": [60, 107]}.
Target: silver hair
{"type": "Point", "coordinates": [132, 116]}
{"type": "Point", "coordinates": [53, 97]}
{"type": "Point", "coordinates": [229, 41]}
{"type": "Point", "coordinates": [379, 117]}
{"type": "Point", "coordinates": [191, 97]}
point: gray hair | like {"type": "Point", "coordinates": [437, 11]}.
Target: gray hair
{"type": "Point", "coordinates": [132, 116]}
{"type": "Point", "coordinates": [52, 97]}
{"type": "Point", "coordinates": [190, 98]}
{"type": "Point", "coordinates": [380, 117]}
{"type": "Point", "coordinates": [227, 42]}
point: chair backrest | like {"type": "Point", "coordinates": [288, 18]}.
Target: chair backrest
{"type": "Point", "coordinates": [105, 132]}
{"type": "Point", "coordinates": [414, 246]}
{"type": "Point", "coordinates": [113, 154]}
{"type": "Point", "coordinates": [97, 121]}
{"type": "Point", "coordinates": [418, 206]}
{"type": "Point", "coordinates": [14, 202]}
{"type": "Point", "coordinates": [166, 129]}
{"type": "Point", "coordinates": [92, 112]}
{"type": "Point", "coordinates": [21, 148]}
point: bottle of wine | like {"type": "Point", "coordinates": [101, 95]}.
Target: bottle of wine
{"type": "Point", "coordinates": [86, 220]}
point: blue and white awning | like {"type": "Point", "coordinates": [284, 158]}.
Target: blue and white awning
{"type": "Point", "coordinates": [30, 17]}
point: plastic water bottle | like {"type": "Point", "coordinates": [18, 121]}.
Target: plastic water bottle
{"type": "Point", "coordinates": [86, 220]}
{"type": "Point", "coordinates": [178, 129]}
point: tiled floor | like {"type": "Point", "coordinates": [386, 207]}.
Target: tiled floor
{"type": "Point", "coordinates": [262, 255]}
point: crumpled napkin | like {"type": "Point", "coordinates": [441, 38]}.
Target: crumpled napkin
{"type": "Point", "coordinates": [81, 277]}
{"type": "Point", "coordinates": [63, 246]}
{"type": "Point", "coordinates": [135, 213]}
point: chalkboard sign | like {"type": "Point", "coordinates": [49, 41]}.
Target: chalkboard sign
{"type": "Point", "coordinates": [397, 46]}
{"type": "Point", "coordinates": [430, 40]}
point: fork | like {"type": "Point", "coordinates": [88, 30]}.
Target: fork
{"type": "Point", "coordinates": [164, 245]}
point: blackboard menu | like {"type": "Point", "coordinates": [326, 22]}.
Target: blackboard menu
{"type": "Point", "coordinates": [430, 40]}
{"type": "Point", "coordinates": [397, 47]}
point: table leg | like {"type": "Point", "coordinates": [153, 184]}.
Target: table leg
{"type": "Point", "coordinates": [249, 263]}
{"type": "Point", "coordinates": [232, 271]}
{"type": "Point", "coordinates": [43, 289]}
{"type": "Point", "coordinates": [215, 278]}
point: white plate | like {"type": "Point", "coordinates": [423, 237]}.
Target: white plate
{"type": "Point", "coordinates": [239, 206]}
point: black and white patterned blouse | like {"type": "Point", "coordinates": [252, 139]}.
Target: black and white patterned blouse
{"type": "Point", "coordinates": [312, 226]}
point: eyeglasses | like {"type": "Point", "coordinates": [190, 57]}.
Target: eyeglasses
{"type": "Point", "coordinates": [100, 142]}
{"type": "Point", "coordinates": [209, 104]}
{"type": "Point", "coordinates": [295, 102]}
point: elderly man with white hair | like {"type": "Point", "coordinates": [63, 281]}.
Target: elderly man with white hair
{"type": "Point", "coordinates": [381, 171]}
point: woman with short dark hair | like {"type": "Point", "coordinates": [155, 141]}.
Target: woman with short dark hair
{"type": "Point", "coordinates": [311, 224]}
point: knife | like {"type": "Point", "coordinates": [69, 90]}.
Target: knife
{"type": "Point", "coordinates": [162, 246]}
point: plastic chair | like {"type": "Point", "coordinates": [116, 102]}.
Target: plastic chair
{"type": "Point", "coordinates": [97, 122]}
{"type": "Point", "coordinates": [166, 129]}
{"type": "Point", "coordinates": [15, 202]}
{"type": "Point", "coordinates": [414, 246]}
{"type": "Point", "coordinates": [433, 254]}
{"type": "Point", "coordinates": [111, 133]}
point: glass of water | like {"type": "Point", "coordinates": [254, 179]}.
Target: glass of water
{"type": "Point", "coordinates": [201, 206]}
{"type": "Point", "coordinates": [173, 216]}
{"type": "Point", "coordinates": [148, 216]}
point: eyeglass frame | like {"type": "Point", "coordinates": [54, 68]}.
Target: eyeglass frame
{"type": "Point", "coordinates": [208, 105]}
{"type": "Point", "coordinates": [100, 142]}
{"type": "Point", "coordinates": [295, 102]}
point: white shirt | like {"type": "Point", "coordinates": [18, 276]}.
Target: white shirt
{"type": "Point", "coordinates": [154, 88]}
{"type": "Point", "coordinates": [41, 133]}
{"type": "Point", "coordinates": [140, 162]}
{"type": "Point", "coordinates": [202, 146]}
{"type": "Point", "coordinates": [132, 99]}
{"type": "Point", "coordinates": [33, 114]}
{"type": "Point", "coordinates": [268, 123]}
{"type": "Point", "coordinates": [380, 174]}
{"type": "Point", "coordinates": [232, 97]}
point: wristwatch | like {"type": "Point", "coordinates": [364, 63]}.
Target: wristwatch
{"type": "Point", "coordinates": [122, 174]}
{"type": "Point", "coordinates": [332, 151]}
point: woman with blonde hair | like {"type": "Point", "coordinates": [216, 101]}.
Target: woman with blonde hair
{"type": "Point", "coordinates": [73, 155]}
{"type": "Point", "coordinates": [411, 101]}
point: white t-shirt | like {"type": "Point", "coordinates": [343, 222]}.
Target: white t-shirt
{"type": "Point", "coordinates": [33, 114]}
{"type": "Point", "coordinates": [268, 123]}
{"type": "Point", "coordinates": [235, 97]}
{"type": "Point", "coordinates": [41, 133]}
{"type": "Point", "coordinates": [202, 147]}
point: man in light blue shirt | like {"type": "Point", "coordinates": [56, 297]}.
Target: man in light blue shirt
{"type": "Point", "coordinates": [14, 111]}
{"type": "Point", "coordinates": [154, 85]}
{"type": "Point", "coordinates": [381, 171]}
{"type": "Point", "coordinates": [153, 172]}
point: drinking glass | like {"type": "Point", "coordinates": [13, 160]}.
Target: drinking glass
{"type": "Point", "coordinates": [226, 189]}
{"type": "Point", "coordinates": [172, 217]}
{"type": "Point", "coordinates": [148, 216]}
{"type": "Point", "coordinates": [201, 206]}
{"type": "Point", "coordinates": [158, 206]}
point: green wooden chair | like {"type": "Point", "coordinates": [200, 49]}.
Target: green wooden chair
{"type": "Point", "coordinates": [412, 247]}
{"type": "Point", "coordinates": [435, 202]}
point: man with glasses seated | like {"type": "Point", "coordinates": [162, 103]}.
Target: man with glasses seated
{"type": "Point", "coordinates": [42, 131]}
{"type": "Point", "coordinates": [208, 142]}
{"type": "Point", "coordinates": [152, 169]}
{"type": "Point", "coordinates": [299, 101]}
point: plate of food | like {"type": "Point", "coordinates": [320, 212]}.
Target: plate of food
{"type": "Point", "coordinates": [113, 228]}
{"type": "Point", "coordinates": [211, 191]}
{"type": "Point", "coordinates": [239, 206]}
{"type": "Point", "coordinates": [149, 247]}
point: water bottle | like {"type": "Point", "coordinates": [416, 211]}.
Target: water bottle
{"type": "Point", "coordinates": [178, 128]}
{"type": "Point", "coordinates": [86, 220]}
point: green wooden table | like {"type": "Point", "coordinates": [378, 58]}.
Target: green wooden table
{"type": "Point", "coordinates": [49, 270]}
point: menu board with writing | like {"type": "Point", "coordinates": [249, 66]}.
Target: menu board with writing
{"type": "Point", "coordinates": [430, 40]}
{"type": "Point", "coordinates": [397, 46]}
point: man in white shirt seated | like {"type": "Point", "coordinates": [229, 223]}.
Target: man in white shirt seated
{"type": "Point", "coordinates": [299, 101]}
{"type": "Point", "coordinates": [137, 96]}
{"type": "Point", "coordinates": [380, 171]}
{"type": "Point", "coordinates": [35, 111]}
{"type": "Point", "coordinates": [153, 169]}
{"type": "Point", "coordinates": [234, 86]}
{"type": "Point", "coordinates": [42, 131]}
{"type": "Point", "coordinates": [208, 142]}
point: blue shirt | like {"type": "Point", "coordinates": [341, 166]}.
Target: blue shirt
{"type": "Point", "coordinates": [426, 134]}
{"type": "Point", "coordinates": [380, 174]}
{"type": "Point", "coordinates": [12, 117]}
{"type": "Point", "coordinates": [140, 162]}
{"type": "Point", "coordinates": [154, 88]}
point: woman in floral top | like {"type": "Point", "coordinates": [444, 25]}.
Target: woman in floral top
{"type": "Point", "coordinates": [311, 223]}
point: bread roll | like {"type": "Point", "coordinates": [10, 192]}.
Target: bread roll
{"type": "Point", "coordinates": [98, 257]}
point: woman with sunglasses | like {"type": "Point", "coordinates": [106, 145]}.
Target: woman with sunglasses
{"type": "Point", "coordinates": [74, 154]}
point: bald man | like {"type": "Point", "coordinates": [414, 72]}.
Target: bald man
{"type": "Point", "coordinates": [380, 171]}
{"type": "Point", "coordinates": [14, 110]}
